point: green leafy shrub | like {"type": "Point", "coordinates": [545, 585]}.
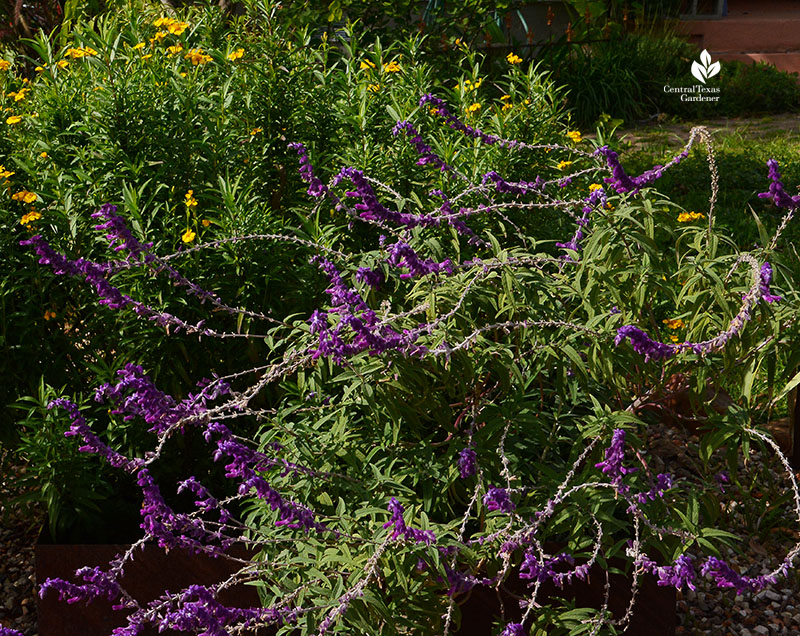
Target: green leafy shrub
{"type": "Point", "coordinates": [197, 152]}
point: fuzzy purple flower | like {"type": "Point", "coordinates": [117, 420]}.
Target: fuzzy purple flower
{"type": "Point", "coordinates": [513, 629]}
{"type": "Point", "coordinates": [497, 499]}
{"type": "Point", "coordinates": [467, 462]}
{"type": "Point", "coordinates": [777, 193]}
{"type": "Point", "coordinates": [400, 529]}
{"type": "Point", "coordinates": [681, 573]}
{"type": "Point", "coordinates": [722, 479]}
{"type": "Point", "coordinates": [644, 345]}
{"type": "Point", "coordinates": [764, 281]}
{"type": "Point", "coordinates": [615, 454]}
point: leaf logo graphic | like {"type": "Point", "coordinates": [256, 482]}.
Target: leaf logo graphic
{"type": "Point", "coordinates": [705, 69]}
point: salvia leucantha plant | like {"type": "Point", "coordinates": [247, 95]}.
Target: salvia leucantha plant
{"type": "Point", "coordinates": [464, 398]}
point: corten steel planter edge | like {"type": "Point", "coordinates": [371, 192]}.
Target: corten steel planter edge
{"type": "Point", "coordinates": [152, 571]}
{"type": "Point", "coordinates": [654, 612]}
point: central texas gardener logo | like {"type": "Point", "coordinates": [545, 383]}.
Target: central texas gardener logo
{"type": "Point", "coordinates": [705, 69]}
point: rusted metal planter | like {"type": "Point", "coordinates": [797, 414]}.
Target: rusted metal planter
{"type": "Point", "coordinates": [653, 614]}
{"type": "Point", "coordinates": [153, 570]}
{"type": "Point", "coordinates": [146, 577]}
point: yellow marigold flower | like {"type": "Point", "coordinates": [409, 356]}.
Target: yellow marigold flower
{"type": "Point", "coordinates": [191, 202]}
{"type": "Point", "coordinates": [39, 69]}
{"type": "Point", "coordinates": [188, 236]}
{"type": "Point", "coordinates": [674, 323]}
{"type": "Point", "coordinates": [5, 174]}
{"type": "Point", "coordinates": [505, 97]}
{"type": "Point", "coordinates": [374, 88]}
{"type": "Point", "coordinates": [595, 186]}
{"type": "Point", "coordinates": [30, 217]}
{"type": "Point", "coordinates": [44, 154]}
{"type": "Point", "coordinates": [473, 107]}
{"type": "Point", "coordinates": [5, 65]}
{"type": "Point", "coordinates": [575, 135]}
{"type": "Point", "coordinates": [177, 28]}
{"type": "Point", "coordinates": [196, 56]}
{"type": "Point", "coordinates": [366, 64]}
{"type": "Point", "coordinates": [19, 95]}
{"type": "Point", "coordinates": [507, 106]}
{"type": "Point", "coordinates": [14, 119]}
{"type": "Point", "coordinates": [49, 314]}
{"type": "Point", "coordinates": [687, 217]}
{"type": "Point", "coordinates": [138, 46]}
{"type": "Point", "coordinates": [205, 222]}
{"type": "Point", "coordinates": [24, 195]}
{"type": "Point", "coordinates": [674, 338]}
{"type": "Point", "coordinates": [147, 57]}
{"type": "Point", "coordinates": [513, 58]}
{"type": "Point", "coordinates": [62, 64]}
{"type": "Point", "coordinates": [564, 164]}
{"type": "Point", "coordinates": [77, 53]}
{"type": "Point", "coordinates": [255, 131]}
{"type": "Point", "coordinates": [469, 86]}
{"type": "Point", "coordinates": [235, 55]}
{"type": "Point", "coordinates": [174, 50]}
{"type": "Point", "coordinates": [160, 35]}
{"type": "Point", "coordinates": [164, 22]}
{"type": "Point", "coordinates": [391, 67]}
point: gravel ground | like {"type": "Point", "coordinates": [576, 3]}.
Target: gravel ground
{"type": "Point", "coordinates": [707, 610]}
{"type": "Point", "coordinates": [19, 529]}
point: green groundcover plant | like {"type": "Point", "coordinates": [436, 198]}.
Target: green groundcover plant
{"type": "Point", "coordinates": [419, 373]}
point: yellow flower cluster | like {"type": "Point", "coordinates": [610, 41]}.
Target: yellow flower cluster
{"type": "Point", "coordinates": [24, 196]}
{"type": "Point", "coordinates": [507, 105]}
{"type": "Point", "coordinates": [366, 65]}
{"type": "Point", "coordinates": [374, 88]}
{"type": "Point", "coordinates": [14, 119]}
{"type": "Point", "coordinates": [563, 164]}
{"type": "Point", "coordinates": [18, 95]}
{"type": "Point", "coordinates": [191, 202]}
{"type": "Point", "coordinates": [30, 217]}
{"type": "Point", "coordinates": [575, 135]}
{"type": "Point", "coordinates": [595, 186]}
{"type": "Point", "coordinates": [81, 51]}
{"type": "Point", "coordinates": [196, 56]}
{"type": "Point", "coordinates": [253, 133]}
{"type": "Point", "coordinates": [469, 86]}
{"type": "Point", "coordinates": [172, 25]}
{"type": "Point", "coordinates": [513, 58]}
{"type": "Point", "coordinates": [674, 323]}
{"type": "Point", "coordinates": [5, 65]}
{"type": "Point", "coordinates": [391, 67]}
{"type": "Point", "coordinates": [687, 217]}
{"type": "Point", "coordinates": [473, 107]}
{"type": "Point", "coordinates": [235, 55]}
{"type": "Point", "coordinates": [175, 49]}
{"type": "Point", "coordinates": [62, 64]}
{"type": "Point", "coordinates": [188, 236]}
{"type": "Point", "coordinates": [49, 315]}
{"type": "Point", "coordinates": [5, 174]}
